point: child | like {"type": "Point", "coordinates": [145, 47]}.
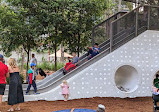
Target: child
{"type": "Point", "coordinates": [69, 59]}
{"type": "Point", "coordinates": [71, 65]}
{"type": "Point", "coordinates": [65, 91]}
{"type": "Point", "coordinates": [31, 78]}
{"type": "Point", "coordinates": [93, 51]}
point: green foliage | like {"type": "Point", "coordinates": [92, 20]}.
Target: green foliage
{"type": "Point", "coordinates": [18, 27]}
{"type": "Point", "coordinates": [49, 66]}
{"type": "Point", "coordinates": [22, 23]}
{"type": "Point", "coordinates": [45, 65]}
{"type": "Point", "coordinates": [25, 66]}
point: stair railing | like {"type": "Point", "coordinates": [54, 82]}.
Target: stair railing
{"type": "Point", "coordinates": [132, 24]}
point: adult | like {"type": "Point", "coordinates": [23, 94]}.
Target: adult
{"type": "Point", "coordinates": [33, 60]}
{"type": "Point", "coordinates": [15, 86]}
{"type": "Point", "coordinates": [3, 74]}
{"type": "Point", "coordinates": [101, 108]}
{"type": "Point", "coordinates": [71, 65]}
{"type": "Point", "coordinates": [93, 51]}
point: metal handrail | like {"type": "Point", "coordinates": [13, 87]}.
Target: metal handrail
{"type": "Point", "coordinates": [128, 36]}
{"type": "Point", "coordinates": [125, 15]}
{"type": "Point", "coordinates": [135, 10]}
{"type": "Point", "coordinates": [107, 19]}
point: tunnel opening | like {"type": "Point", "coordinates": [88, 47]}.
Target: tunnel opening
{"type": "Point", "coordinates": [126, 78]}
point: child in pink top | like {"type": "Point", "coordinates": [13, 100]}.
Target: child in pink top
{"type": "Point", "coordinates": [65, 91]}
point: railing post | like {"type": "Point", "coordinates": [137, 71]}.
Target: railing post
{"type": "Point", "coordinates": [148, 20]}
{"type": "Point", "coordinates": [111, 37]}
{"type": "Point", "coordinates": [93, 36]}
{"type": "Point", "coordinates": [136, 24]}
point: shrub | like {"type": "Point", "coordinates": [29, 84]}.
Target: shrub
{"type": "Point", "coordinates": [25, 66]}
{"type": "Point", "coordinates": [60, 65]}
{"type": "Point", "coordinates": [49, 66]}
{"type": "Point", "coordinates": [45, 65]}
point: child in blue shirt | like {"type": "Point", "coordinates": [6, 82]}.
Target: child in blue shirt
{"type": "Point", "coordinates": [31, 79]}
{"type": "Point", "coordinates": [93, 51]}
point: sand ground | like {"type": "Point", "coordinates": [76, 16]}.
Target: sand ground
{"type": "Point", "coordinates": [112, 105]}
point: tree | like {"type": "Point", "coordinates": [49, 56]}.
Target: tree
{"type": "Point", "coordinates": [83, 16]}
{"type": "Point", "coordinates": [18, 28]}
{"type": "Point", "coordinates": [63, 21]}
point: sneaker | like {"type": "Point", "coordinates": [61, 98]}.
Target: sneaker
{"type": "Point", "coordinates": [36, 93]}
{"type": "Point", "coordinates": [26, 93]}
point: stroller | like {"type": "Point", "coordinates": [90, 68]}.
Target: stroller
{"type": "Point", "coordinates": [155, 100]}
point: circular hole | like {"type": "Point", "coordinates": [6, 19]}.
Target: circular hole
{"type": "Point", "coordinates": [127, 78]}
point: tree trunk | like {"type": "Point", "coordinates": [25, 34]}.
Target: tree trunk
{"type": "Point", "coordinates": [22, 61]}
{"type": "Point", "coordinates": [62, 53]}
{"type": "Point", "coordinates": [55, 48]}
{"type": "Point", "coordinates": [55, 56]}
{"type": "Point", "coordinates": [28, 53]}
{"type": "Point", "coordinates": [49, 51]}
{"type": "Point", "coordinates": [119, 6]}
{"type": "Point", "coordinates": [79, 39]}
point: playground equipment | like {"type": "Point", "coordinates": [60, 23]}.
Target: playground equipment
{"type": "Point", "coordinates": [124, 68]}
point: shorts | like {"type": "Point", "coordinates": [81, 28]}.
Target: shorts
{"type": "Point", "coordinates": [2, 88]}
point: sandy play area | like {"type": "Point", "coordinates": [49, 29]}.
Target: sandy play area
{"type": "Point", "coordinates": [112, 105]}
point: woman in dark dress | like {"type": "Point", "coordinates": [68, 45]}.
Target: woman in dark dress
{"type": "Point", "coordinates": [15, 86]}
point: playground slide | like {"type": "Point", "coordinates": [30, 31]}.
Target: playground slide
{"type": "Point", "coordinates": [46, 84]}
